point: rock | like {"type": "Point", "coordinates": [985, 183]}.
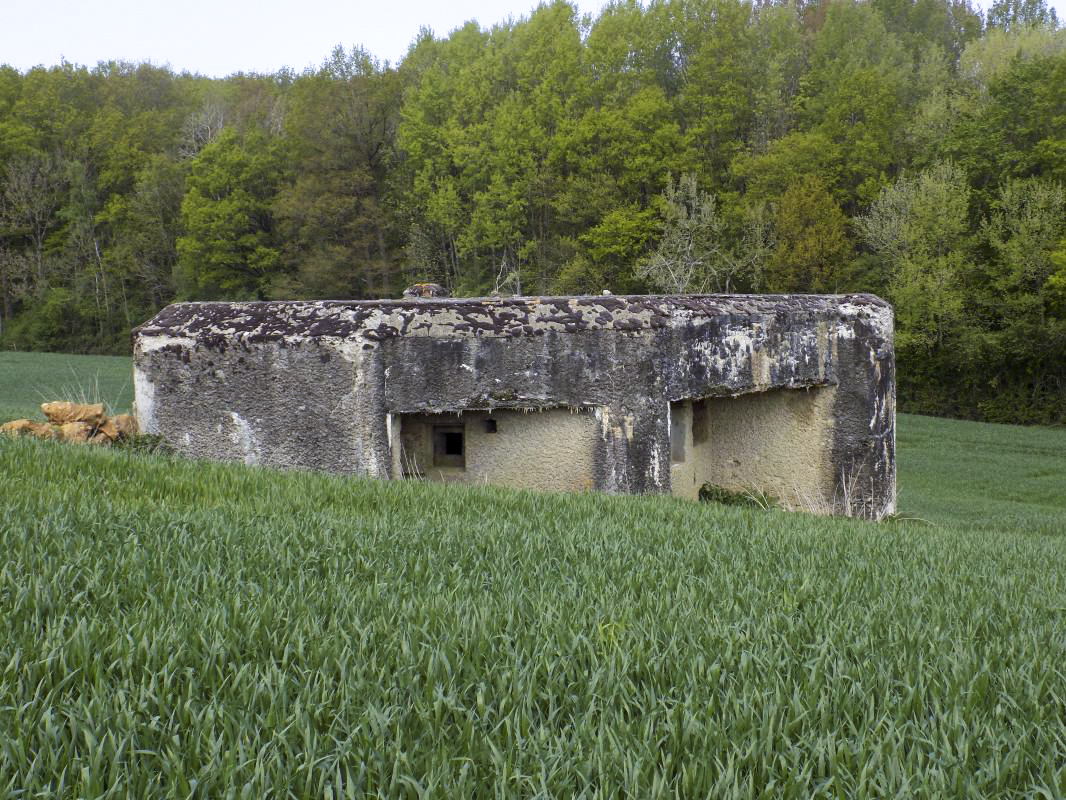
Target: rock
{"type": "Point", "coordinates": [26, 427]}
{"type": "Point", "coordinates": [17, 427]}
{"type": "Point", "coordinates": [75, 422]}
{"type": "Point", "coordinates": [78, 431]}
{"type": "Point", "coordinates": [106, 433]}
{"type": "Point", "coordinates": [125, 424]}
{"type": "Point", "coordinates": [63, 413]}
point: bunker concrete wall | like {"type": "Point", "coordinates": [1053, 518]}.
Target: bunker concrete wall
{"type": "Point", "coordinates": [293, 406]}
{"type": "Point", "coordinates": [551, 449]}
{"type": "Point", "coordinates": [864, 418]}
{"type": "Point", "coordinates": [315, 384]}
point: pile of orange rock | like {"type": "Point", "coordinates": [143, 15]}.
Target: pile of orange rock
{"type": "Point", "coordinates": [75, 422]}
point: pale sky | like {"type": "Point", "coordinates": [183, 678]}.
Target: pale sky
{"type": "Point", "coordinates": [220, 37]}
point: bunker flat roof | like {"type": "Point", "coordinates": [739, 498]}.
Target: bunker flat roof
{"type": "Point", "coordinates": [376, 320]}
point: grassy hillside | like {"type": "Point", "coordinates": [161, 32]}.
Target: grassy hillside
{"type": "Point", "coordinates": [29, 379]}
{"type": "Point", "coordinates": [983, 478]}
{"type": "Point", "coordinates": [173, 628]}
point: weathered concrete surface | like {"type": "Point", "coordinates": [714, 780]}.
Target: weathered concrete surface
{"type": "Point", "coordinates": [321, 384]}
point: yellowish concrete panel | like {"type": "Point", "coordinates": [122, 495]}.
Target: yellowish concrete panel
{"type": "Point", "coordinates": [551, 449]}
{"type": "Point", "coordinates": [778, 442]}
{"type": "Point", "coordinates": [685, 479]}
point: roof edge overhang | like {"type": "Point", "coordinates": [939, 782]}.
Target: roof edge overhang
{"type": "Point", "coordinates": [377, 320]}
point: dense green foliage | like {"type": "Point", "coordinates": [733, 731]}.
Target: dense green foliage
{"type": "Point", "coordinates": [912, 149]}
{"type": "Point", "coordinates": [172, 628]}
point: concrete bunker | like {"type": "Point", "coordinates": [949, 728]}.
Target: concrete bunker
{"type": "Point", "coordinates": [789, 395]}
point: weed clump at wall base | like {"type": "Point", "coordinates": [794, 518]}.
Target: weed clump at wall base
{"type": "Point", "coordinates": [185, 628]}
{"type": "Point", "coordinates": [145, 443]}
{"type": "Point", "coordinates": [748, 498]}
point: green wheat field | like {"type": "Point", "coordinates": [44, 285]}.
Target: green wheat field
{"type": "Point", "coordinates": [171, 628]}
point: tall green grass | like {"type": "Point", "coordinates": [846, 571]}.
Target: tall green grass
{"type": "Point", "coordinates": [182, 629]}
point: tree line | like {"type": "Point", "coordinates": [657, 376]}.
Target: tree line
{"type": "Point", "coordinates": [910, 148]}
